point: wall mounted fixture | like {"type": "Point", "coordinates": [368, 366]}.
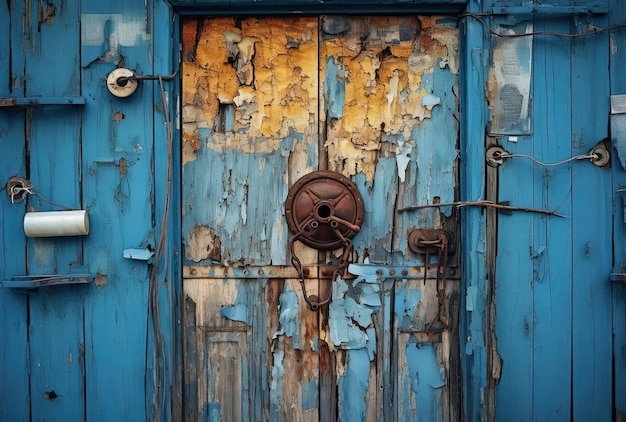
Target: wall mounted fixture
{"type": "Point", "coordinates": [599, 156]}
{"type": "Point", "coordinates": [56, 223]}
{"type": "Point", "coordinates": [324, 210]}
{"type": "Point", "coordinates": [123, 82]}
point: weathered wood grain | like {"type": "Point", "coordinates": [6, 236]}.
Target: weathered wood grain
{"type": "Point", "coordinates": [14, 393]}
{"type": "Point", "coordinates": [591, 243]}
{"type": "Point", "coordinates": [120, 200]}
{"type": "Point", "coordinates": [56, 330]}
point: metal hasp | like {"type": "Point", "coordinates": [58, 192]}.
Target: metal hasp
{"type": "Point", "coordinates": [430, 242]}
{"type": "Point", "coordinates": [324, 210]}
{"type": "Point", "coordinates": [123, 82]}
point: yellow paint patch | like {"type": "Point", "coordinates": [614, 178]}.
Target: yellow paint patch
{"type": "Point", "coordinates": [266, 68]}
{"type": "Point", "coordinates": [271, 73]}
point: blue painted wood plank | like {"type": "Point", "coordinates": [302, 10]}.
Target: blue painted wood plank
{"type": "Point", "coordinates": [472, 187]}
{"type": "Point", "coordinates": [120, 202]}
{"type": "Point", "coordinates": [353, 385]}
{"type": "Point", "coordinates": [242, 215]}
{"type": "Point", "coordinates": [14, 392]}
{"type": "Point", "coordinates": [514, 289]}
{"type": "Point", "coordinates": [591, 243]}
{"type": "Point", "coordinates": [376, 234]}
{"type": "Point", "coordinates": [618, 86]}
{"type": "Point", "coordinates": [551, 257]}
{"type": "Point", "coordinates": [422, 381]}
{"type": "Point", "coordinates": [56, 323]}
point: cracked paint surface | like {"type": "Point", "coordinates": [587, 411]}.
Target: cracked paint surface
{"type": "Point", "coordinates": [377, 66]}
{"type": "Point", "coordinates": [263, 71]}
{"type": "Point", "coordinates": [268, 100]}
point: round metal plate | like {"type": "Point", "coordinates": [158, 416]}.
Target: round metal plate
{"type": "Point", "coordinates": [322, 205]}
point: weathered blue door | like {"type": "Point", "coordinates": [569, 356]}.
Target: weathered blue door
{"type": "Point", "coordinates": [266, 101]}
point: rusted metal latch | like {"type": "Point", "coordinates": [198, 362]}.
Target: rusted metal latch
{"type": "Point", "coordinates": [428, 242]}
{"type": "Point", "coordinates": [324, 210]}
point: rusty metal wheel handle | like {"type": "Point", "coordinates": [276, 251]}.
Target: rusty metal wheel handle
{"type": "Point", "coordinates": [324, 210]}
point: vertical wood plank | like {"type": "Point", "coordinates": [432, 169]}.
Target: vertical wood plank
{"type": "Point", "coordinates": [592, 232]}
{"type": "Point", "coordinates": [56, 314]}
{"type": "Point", "coordinates": [618, 86]}
{"type": "Point", "coordinates": [552, 259]}
{"type": "Point", "coordinates": [117, 189]}
{"type": "Point", "coordinates": [14, 392]}
{"type": "Point", "coordinates": [514, 283]}
{"type": "Point", "coordinates": [474, 62]}
{"type": "Point", "coordinates": [190, 353]}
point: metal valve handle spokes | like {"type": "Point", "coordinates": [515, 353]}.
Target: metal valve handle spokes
{"type": "Point", "coordinates": [324, 210]}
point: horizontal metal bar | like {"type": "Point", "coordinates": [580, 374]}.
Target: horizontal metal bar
{"type": "Point", "coordinates": [122, 80]}
{"type": "Point", "coordinates": [37, 281]}
{"type": "Point", "coordinates": [311, 272]}
{"type": "Point", "coordinates": [397, 272]}
{"type": "Point", "coordinates": [618, 277]}
{"type": "Point", "coordinates": [41, 101]}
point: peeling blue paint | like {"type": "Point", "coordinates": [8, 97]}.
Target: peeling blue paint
{"type": "Point", "coordinates": [430, 100]}
{"type": "Point", "coordinates": [211, 412]}
{"type": "Point", "coordinates": [350, 313]}
{"type": "Point", "coordinates": [238, 312]}
{"type": "Point", "coordinates": [353, 386]}
{"type": "Point", "coordinates": [405, 304]}
{"type": "Point", "coordinates": [334, 90]}
{"type": "Point", "coordinates": [425, 380]}
{"type": "Point", "coordinates": [435, 160]}
{"type": "Point", "coordinates": [310, 392]}
{"type": "Point", "coordinates": [289, 318]}
{"type": "Point", "coordinates": [375, 235]}
{"type": "Point", "coordinates": [240, 216]}
{"type": "Point", "coordinates": [471, 296]}
{"type": "Point", "coordinates": [276, 385]}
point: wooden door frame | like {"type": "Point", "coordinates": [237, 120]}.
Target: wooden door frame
{"type": "Point", "coordinates": [475, 322]}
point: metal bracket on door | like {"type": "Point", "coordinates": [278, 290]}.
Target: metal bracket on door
{"type": "Point", "coordinates": [324, 210]}
{"type": "Point", "coordinates": [429, 242]}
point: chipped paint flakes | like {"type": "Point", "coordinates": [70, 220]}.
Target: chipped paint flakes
{"type": "Point", "coordinates": [265, 68]}
{"type": "Point", "coordinates": [203, 243]}
{"type": "Point", "coordinates": [289, 317]}
{"type": "Point", "coordinates": [403, 157]}
{"type": "Point", "coordinates": [383, 61]}
{"type": "Point", "coordinates": [350, 313]}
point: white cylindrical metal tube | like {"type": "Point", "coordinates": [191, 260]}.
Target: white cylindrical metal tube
{"type": "Point", "coordinates": [56, 223]}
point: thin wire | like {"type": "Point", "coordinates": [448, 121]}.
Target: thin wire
{"type": "Point", "coordinates": [51, 203]}
{"type": "Point", "coordinates": [22, 192]}
{"type": "Point", "coordinates": [539, 163]}
{"type": "Point", "coordinates": [596, 30]}
{"type": "Point", "coordinates": [158, 405]}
